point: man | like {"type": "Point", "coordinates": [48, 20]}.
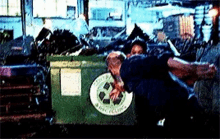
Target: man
{"type": "Point", "coordinates": [138, 46]}
{"type": "Point", "coordinates": [154, 80]}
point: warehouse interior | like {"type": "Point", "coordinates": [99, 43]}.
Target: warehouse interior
{"type": "Point", "coordinates": [52, 54]}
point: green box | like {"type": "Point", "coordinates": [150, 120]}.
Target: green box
{"type": "Point", "coordinates": [80, 87]}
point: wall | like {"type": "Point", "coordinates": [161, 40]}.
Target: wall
{"type": "Point", "coordinates": [13, 23]}
{"type": "Point", "coordinates": [34, 24]}
{"type": "Point", "coordinates": [76, 26]}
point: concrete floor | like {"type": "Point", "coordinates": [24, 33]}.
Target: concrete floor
{"type": "Point", "coordinates": [41, 129]}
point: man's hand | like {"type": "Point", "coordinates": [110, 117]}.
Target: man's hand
{"type": "Point", "coordinates": [118, 87]}
{"type": "Point", "coordinates": [202, 71]}
{"type": "Point", "coordinates": [206, 71]}
{"type": "Point", "coordinates": [114, 94]}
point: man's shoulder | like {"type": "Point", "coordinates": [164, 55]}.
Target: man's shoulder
{"type": "Point", "coordinates": [139, 56]}
{"type": "Point", "coordinates": [133, 60]}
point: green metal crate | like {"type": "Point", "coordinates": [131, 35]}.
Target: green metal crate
{"type": "Point", "coordinates": [80, 87]}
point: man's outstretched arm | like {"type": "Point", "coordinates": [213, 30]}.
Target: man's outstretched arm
{"type": "Point", "coordinates": [191, 71]}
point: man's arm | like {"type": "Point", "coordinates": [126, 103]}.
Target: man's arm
{"type": "Point", "coordinates": [191, 71]}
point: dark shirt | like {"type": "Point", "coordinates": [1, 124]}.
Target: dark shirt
{"type": "Point", "coordinates": [148, 76]}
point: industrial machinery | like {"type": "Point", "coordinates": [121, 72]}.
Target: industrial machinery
{"type": "Point", "coordinates": [24, 90]}
{"type": "Point", "coordinates": [24, 93]}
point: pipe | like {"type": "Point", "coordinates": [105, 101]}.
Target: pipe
{"type": "Point", "coordinates": [86, 10]}
{"type": "Point", "coordinates": [23, 20]}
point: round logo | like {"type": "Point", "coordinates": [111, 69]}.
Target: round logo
{"type": "Point", "coordinates": [99, 95]}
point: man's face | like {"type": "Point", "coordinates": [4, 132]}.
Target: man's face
{"type": "Point", "coordinates": [137, 49]}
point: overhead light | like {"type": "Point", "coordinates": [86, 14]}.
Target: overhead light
{"type": "Point", "coordinates": [213, 12]}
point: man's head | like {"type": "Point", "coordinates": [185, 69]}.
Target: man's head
{"type": "Point", "coordinates": [138, 47]}
{"type": "Point", "coordinates": [114, 61]}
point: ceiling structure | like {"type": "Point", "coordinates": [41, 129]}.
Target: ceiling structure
{"type": "Point", "coordinates": [183, 3]}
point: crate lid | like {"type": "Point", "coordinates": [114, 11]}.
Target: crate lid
{"type": "Point", "coordinates": [94, 58]}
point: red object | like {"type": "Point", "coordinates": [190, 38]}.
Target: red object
{"type": "Point", "coordinates": [16, 118]}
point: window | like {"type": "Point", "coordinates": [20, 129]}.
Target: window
{"type": "Point", "coordinates": [106, 14]}
{"type": "Point", "coordinates": [10, 8]}
{"type": "Point", "coordinates": [106, 9]}
{"type": "Point", "coordinates": [55, 8]}
{"type": "Point", "coordinates": [5, 36]}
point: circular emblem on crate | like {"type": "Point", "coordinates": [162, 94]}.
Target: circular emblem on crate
{"type": "Point", "coordinates": [99, 95]}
